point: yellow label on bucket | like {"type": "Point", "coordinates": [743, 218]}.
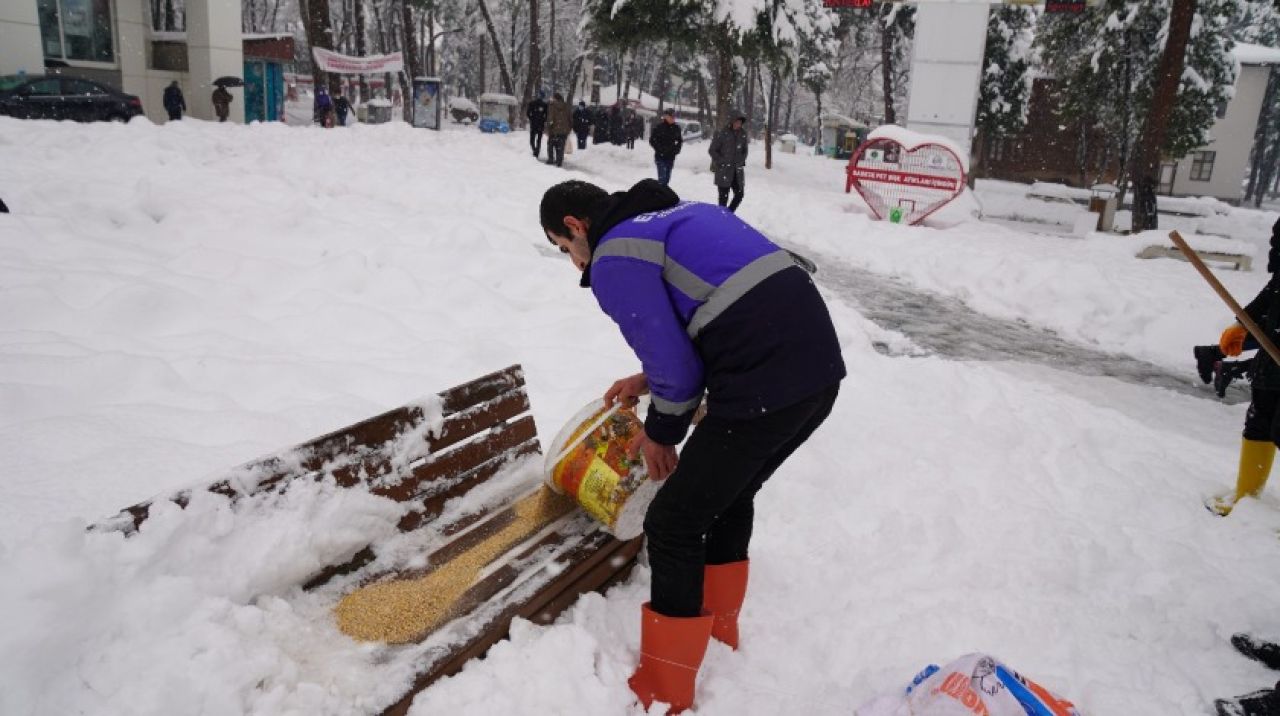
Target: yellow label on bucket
{"type": "Point", "coordinates": [597, 492]}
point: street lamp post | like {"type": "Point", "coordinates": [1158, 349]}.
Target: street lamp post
{"type": "Point", "coordinates": [431, 45]}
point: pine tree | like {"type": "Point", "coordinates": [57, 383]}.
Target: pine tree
{"type": "Point", "coordinates": [1005, 92]}
{"type": "Point", "coordinates": [1106, 61]}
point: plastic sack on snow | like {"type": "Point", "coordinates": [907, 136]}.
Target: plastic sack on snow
{"type": "Point", "coordinates": [973, 685]}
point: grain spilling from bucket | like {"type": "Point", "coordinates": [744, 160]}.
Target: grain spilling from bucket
{"type": "Point", "coordinates": [406, 610]}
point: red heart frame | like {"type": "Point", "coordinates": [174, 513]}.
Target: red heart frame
{"type": "Point", "coordinates": [853, 181]}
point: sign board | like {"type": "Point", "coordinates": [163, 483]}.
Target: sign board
{"type": "Point", "coordinates": [1064, 6]}
{"type": "Point", "coordinates": [903, 185]}
{"type": "Point", "coordinates": [426, 102]}
{"type": "Point", "coordinates": [946, 70]}
{"type": "Point", "coordinates": [330, 61]}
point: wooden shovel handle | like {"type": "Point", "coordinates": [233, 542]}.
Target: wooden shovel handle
{"type": "Point", "coordinates": [1243, 317]}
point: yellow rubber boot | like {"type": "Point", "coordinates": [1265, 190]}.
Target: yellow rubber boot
{"type": "Point", "coordinates": [1256, 457]}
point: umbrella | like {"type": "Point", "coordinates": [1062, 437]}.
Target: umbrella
{"type": "Point", "coordinates": [229, 81]}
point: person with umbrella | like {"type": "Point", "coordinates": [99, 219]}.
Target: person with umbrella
{"type": "Point", "coordinates": [222, 98]}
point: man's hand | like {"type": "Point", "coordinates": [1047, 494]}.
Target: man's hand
{"type": "Point", "coordinates": [628, 390]}
{"type": "Point", "coordinates": [660, 459]}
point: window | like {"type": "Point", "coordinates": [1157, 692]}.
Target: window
{"type": "Point", "coordinates": [76, 30]}
{"type": "Point", "coordinates": [80, 87]}
{"type": "Point", "coordinates": [1202, 166]}
{"type": "Point", "coordinates": [1222, 109]}
{"type": "Point", "coordinates": [42, 88]}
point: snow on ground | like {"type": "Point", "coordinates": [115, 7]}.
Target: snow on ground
{"type": "Point", "coordinates": [177, 300]}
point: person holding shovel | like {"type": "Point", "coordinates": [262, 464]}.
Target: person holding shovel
{"type": "Point", "coordinates": [708, 305]}
{"type": "Point", "coordinates": [1261, 429]}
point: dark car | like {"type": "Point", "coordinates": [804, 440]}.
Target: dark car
{"type": "Point", "coordinates": [51, 97]}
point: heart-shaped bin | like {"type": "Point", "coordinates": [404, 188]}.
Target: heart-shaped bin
{"type": "Point", "coordinates": [904, 184]}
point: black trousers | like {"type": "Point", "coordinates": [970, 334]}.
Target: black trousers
{"type": "Point", "coordinates": [174, 114]}
{"type": "Point", "coordinates": [738, 191]}
{"type": "Point", "coordinates": [555, 149]}
{"type": "Point", "coordinates": [704, 512]}
{"type": "Point", "coordinates": [535, 138]}
{"type": "Point", "coordinates": [1260, 422]}
{"type": "Point", "coordinates": [582, 140]}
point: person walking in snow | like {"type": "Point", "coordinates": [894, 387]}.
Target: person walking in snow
{"type": "Point", "coordinates": [582, 123]}
{"type": "Point", "coordinates": [1261, 427]}
{"type": "Point", "coordinates": [174, 103]}
{"type": "Point", "coordinates": [341, 107]}
{"type": "Point", "coordinates": [708, 305]}
{"type": "Point", "coordinates": [729, 161]}
{"type": "Point", "coordinates": [222, 103]}
{"type": "Point", "coordinates": [536, 113]}
{"type": "Point", "coordinates": [666, 141]}
{"type": "Point", "coordinates": [559, 124]}
{"type": "Point", "coordinates": [617, 126]}
{"type": "Point", "coordinates": [322, 108]}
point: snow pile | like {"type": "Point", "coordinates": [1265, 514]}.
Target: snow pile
{"type": "Point", "coordinates": [236, 289]}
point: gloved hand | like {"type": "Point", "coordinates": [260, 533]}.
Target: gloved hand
{"type": "Point", "coordinates": [1232, 340]}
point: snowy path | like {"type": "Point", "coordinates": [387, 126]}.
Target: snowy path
{"type": "Point", "coordinates": [949, 328]}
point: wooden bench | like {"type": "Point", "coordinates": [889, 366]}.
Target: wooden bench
{"type": "Point", "coordinates": [425, 454]}
{"type": "Point", "coordinates": [1239, 262]}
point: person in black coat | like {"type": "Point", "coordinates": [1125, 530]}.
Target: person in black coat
{"type": "Point", "coordinates": [666, 141]}
{"type": "Point", "coordinates": [174, 103]}
{"type": "Point", "coordinates": [617, 126]}
{"type": "Point", "coordinates": [582, 123]}
{"type": "Point", "coordinates": [601, 122]}
{"type": "Point", "coordinates": [1261, 423]}
{"type": "Point", "coordinates": [537, 115]}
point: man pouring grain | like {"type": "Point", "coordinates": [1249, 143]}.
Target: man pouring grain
{"type": "Point", "coordinates": [707, 304]}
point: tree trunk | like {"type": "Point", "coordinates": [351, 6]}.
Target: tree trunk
{"type": "Point", "coordinates": [497, 49]}
{"type": "Point", "coordinates": [1260, 134]}
{"type": "Point", "coordinates": [534, 80]}
{"type": "Point", "coordinates": [1146, 179]}
{"type": "Point", "coordinates": [724, 75]}
{"type": "Point", "coordinates": [791, 98]}
{"type": "Point", "coordinates": [770, 103]}
{"type": "Point", "coordinates": [886, 72]}
{"type": "Point", "coordinates": [662, 78]}
{"type": "Point", "coordinates": [484, 77]}
{"type": "Point", "coordinates": [554, 63]}
{"type": "Point", "coordinates": [703, 101]}
{"type": "Point", "coordinates": [574, 70]}
{"type": "Point", "coordinates": [1268, 172]}
{"type": "Point", "coordinates": [818, 140]}
{"type": "Point", "coordinates": [631, 73]}
{"type": "Point", "coordinates": [411, 60]}
{"type": "Point", "coordinates": [319, 33]}
{"type": "Point", "coordinates": [362, 46]}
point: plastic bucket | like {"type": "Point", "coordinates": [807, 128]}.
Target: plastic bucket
{"type": "Point", "coordinates": [588, 461]}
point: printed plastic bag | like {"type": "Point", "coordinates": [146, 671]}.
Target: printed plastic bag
{"type": "Point", "coordinates": [973, 685]}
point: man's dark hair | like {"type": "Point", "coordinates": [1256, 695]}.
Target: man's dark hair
{"type": "Point", "coordinates": [570, 198]}
{"type": "Point", "coordinates": [558, 97]}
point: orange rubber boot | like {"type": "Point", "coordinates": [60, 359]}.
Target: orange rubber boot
{"type": "Point", "coordinates": [671, 651]}
{"type": "Point", "coordinates": [724, 587]}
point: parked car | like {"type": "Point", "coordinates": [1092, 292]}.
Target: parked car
{"type": "Point", "coordinates": [463, 110]}
{"type": "Point", "coordinates": [690, 130]}
{"type": "Point", "coordinates": [53, 97]}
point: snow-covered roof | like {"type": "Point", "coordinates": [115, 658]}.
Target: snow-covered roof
{"type": "Point", "coordinates": [1247, 54]}
{"type": "Point", "coordinates": [497, 98]}
{"type": "Point", "coordinates": [265, 35]}
{"type": "Point", "coordinates": [788, 138]}
{"type": "Point", "coordinates": [462, 103]}
{"type": "Point", "coordinates": [831, 119]}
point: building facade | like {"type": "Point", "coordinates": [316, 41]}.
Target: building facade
{"type": "Point", "coordinates": [112, 41]}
